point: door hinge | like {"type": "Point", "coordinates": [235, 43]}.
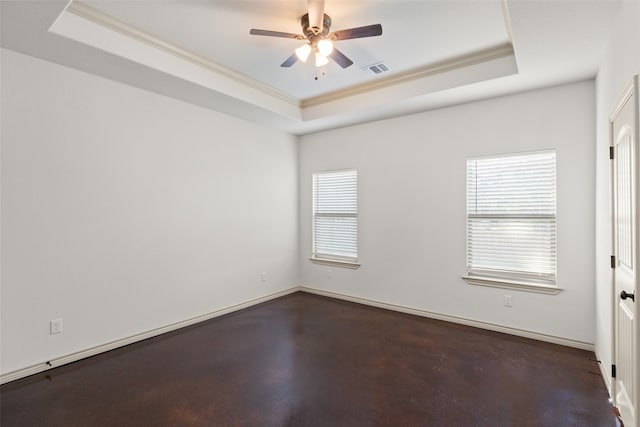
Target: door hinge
{"type": "Point", "coordinates": [613, 371]}
{"type": "Point", "coordinates": [613, 261]}
{"type": "Point", "coordinates": [611, 152]}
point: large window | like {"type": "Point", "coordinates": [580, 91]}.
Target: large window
{"type": "Point", "coordinates": [335, 216]}
{"type": "Point", "coordinates": [511, 217]}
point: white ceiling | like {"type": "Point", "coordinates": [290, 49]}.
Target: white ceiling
{"type": "Point", "coordinates": [439, 52]}
{"type": "Point", "coordinates": [415, 34]}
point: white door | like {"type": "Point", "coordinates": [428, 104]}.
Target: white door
{"type": "Point", "coordinates": [624, 139]}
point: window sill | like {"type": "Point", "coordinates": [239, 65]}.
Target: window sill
{"type": "Point", "coordinates": [512, 284]}
{"type": "Point", "coordinates": [335, 263]}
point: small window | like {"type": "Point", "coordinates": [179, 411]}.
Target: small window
{"type": "Point", "coordinates": [335, 216]}
{"type": "Point", "coordinates": [511, 218]}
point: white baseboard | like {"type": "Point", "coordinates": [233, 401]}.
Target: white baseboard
{"type": "Point", "coordinates": [605, 375]}
{"type": "Point", "coordinates": [63, 360]}
{"type": "Point", "coordinates": [454, 319]}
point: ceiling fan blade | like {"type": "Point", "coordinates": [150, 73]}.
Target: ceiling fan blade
{"type": "Point", "coordinates": [316, 14]}
{"type": "Point", "coordinates": [289, 61]}
{"type": "Point", "coordinates": [358, 33]}
{"type": "Point", "coordinates": [340, 58]}
{"type": "Point", "coordinates": [256, 32]}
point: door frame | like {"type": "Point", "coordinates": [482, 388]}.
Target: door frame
{"type": "Point", "coordinates": [630, 90]}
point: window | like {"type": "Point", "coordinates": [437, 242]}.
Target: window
{"type": "Point", "coordinates": [511, 218]}
{"type": "Point", "coordinates": [335, 216]}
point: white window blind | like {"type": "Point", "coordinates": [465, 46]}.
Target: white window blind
{"type": "Point", "coordinates": [511, 217]}
{"type": "Point", "coordinates": [335, 215]}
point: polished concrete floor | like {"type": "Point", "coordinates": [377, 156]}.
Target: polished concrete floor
{"type": "Point", "coordinates": [305, 360]}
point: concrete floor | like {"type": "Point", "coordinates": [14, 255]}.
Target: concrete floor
{"type": "Point", "coordinates": [306, 360]}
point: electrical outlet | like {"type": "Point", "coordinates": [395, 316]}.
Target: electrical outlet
{"type": "Point", "coordinates": [329, 272]}
{"type": "Point", "coordinates": [263, 276]}
{"type": "Point", "coordinates": [507, 301]}
{"type": "Point", "coordinates": [55, 326]}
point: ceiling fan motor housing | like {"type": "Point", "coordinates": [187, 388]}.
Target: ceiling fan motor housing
{"type": "Point", "coordinates": [314, 34]}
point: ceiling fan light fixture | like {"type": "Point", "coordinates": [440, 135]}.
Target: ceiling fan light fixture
{"type": "Point", "coordinates": [321, 60]}
{"type": "Point", "coordinates": [316, 30]}
{"type": "Point", "coordinates": [325, 46]}
{"type": "Point", "coordinates": [303, 52]}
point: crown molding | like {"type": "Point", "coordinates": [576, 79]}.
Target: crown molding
{"type": "Point", "coordinates": [97, 17]}
{"type": "Point", "coordinates": [459, 62]}
{"type": "Point", "coordinates": [84, 11]}
{"type": "Point", "coordinates": [83, 23]}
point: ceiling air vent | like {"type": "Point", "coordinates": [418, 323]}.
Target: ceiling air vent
{"type": "Point", "coordinates": [375, 69]}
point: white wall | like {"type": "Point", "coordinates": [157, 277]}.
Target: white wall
{"type": "Point", "coordinates": [411, 173]}
{"type": "Point", "coordinates": [620, 64]}
{"type": "Point", "coordinates": [124, 211]}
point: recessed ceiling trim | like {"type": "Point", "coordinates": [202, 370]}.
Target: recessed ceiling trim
{"type": "Point", "coordinates": [414, 90]}
{"type": "Point", "coordinates": [140, 46]}
{"type": "Point", "coordinates": [507, 20]}
{"type": "Point", "coordinates": [449, 65]}
{"type": "Point", "coordinates": [87, 12]}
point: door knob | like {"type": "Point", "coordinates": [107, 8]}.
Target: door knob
{"type": "Point", "coordinates": [624, 295]}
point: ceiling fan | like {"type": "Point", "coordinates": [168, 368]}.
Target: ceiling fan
{"type": "Point", "coordinates": [316, 27]}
